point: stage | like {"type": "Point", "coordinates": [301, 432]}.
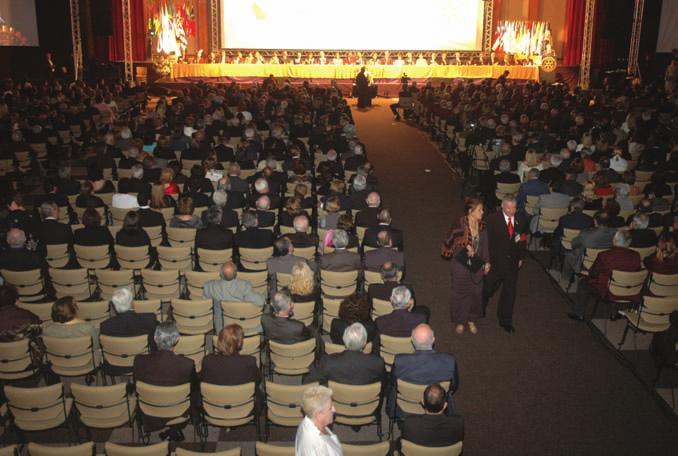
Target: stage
{"type": "Point", "coordinates": [188, 71]}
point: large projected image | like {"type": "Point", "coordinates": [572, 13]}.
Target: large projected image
{"type": "Point", "coordinates": [352, 24]}
{"type": "Point", "coordinates": [17, 23]}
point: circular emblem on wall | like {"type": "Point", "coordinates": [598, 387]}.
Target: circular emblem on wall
{"type": "Point", "coordinates": [548, 64]}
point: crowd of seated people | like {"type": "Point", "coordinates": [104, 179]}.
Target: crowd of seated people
{"type": "Point", "coordinates": [272, 169]}
{"type": "Point", "coordinates": [595, 170]}
{"type": "Point", "coordinates": [418, 58]}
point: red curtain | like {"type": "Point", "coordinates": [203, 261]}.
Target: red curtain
{"type": "Point", "coordinates": [574, 31]}
{"type": "Point", "coordinates": [115, 45]}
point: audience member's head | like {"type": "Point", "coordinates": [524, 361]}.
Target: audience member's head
{"type": "Point", "coordinates": [622, 238]}
{"type": "Point", "coordinates": [249, 219]}
{"type": "Point", "coordinates": [228, 271]}
{"type": "Point", "coordinates": [213, 215]}
{"type": "Point", "coordinates": [401, 298]}
{"type": "Point", "coordinates": [16, 238]}
{"type": "Point", "coordinates": [131, 221]}
{"type": "Point", "coordinates": [281, 301]}
{"type": "Point", "coordinates": [373, 199]}
{"type": "Point", "coordinates": [435, 399]}
{"type": "Point", "coordinates": [122, 300]}
{"type": "Point", "coordinates": [300, 223]}
{"type": "Point", "coordinates": [64, 310]}
{"type": "Point", "coordinates": [340, 239]}
{"type": "Point", "coordinates": [91, 218]}
{"type": "Point", "coordinates": [666, 247]}
{"type": "Point", "coordinates": [423, 337]}
{"type": "Point", "coordinates": [283, 246]}
{"type": "Point", "coordinates": [354, 308]}
{"type": "Point", "coordinates": [384, 216]}
{"type": "Point", "coordinates": [355, 337]}
{"type": "Point", "coordinates": [302, 282]}
{"type": "Point", "coordinates": [166, 335]}
{"type": "Point", "coordinates": [9, 295]}
{"type": "Point", "coordinates": [230, 340]}
{"type": "Point", "coordinates": [185, 206]}
{"type": "Point", "coordinates": [640, 221]}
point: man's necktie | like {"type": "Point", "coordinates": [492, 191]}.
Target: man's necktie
{"type": "Point", "coordinates": [510, 227]}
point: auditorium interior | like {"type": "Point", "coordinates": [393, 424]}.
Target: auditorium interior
{"type": "Point", "coordinates": [316, 227]}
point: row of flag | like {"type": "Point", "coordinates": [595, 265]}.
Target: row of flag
{"type": "Point", "coordinates": [523, 37]}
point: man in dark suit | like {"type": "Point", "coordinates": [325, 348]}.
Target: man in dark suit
{"type": "Point", "coordinates": [352, 366]}
{"type": "Point", "coordinates": [621, 258]}
{"type": "Point", "coordinates": [279, 326]}
{"type": "Point", "coordinates": [225, 152]}
{"type": "Point", "coordinates": [507, 235]}
{"type": "Point", "coordinates": [229, 217]}
{"type": "Point", "coordinates": [424, 367]}
{"type": "Point", "coordinates": [533, 186]}
{"type": "Point", "coordinates": [134, 184]}
{"type": "Point", "coordinates": [236, 183]}
{"type": "Point", "coordinates": [505, 176]}
{"type": "Point", "coordinates": [147, 216]}
{"type": "Point", "coordinates": [65, 183]}
{"type": "Point", "coordinates": [17, 257]}
{"type": "Point", "coordinates": [265, 218]}
{"type": "Point", "coordinates": [374, 259]}
{"type": "Point", "coordinates": [434, 428]}
{"type": "Point", "coordinates": [283, 261]}
{"type": "Point", "coordinates": [384, 221]}
{"type": "Point", "coordinates": [253, 237]}
{"type": "Point", "coordinates": [50, 231]}
{"type": "Point", "coordinates": [598, 237]}
{"type": "Point", "coordinates": [357, 199]}
{"type": "Point", "coordinates": [301, 238]}
{"type": "Point", "coordinates": [165, 368]}
{"type": "Point", "coordinates": [401, 321]}
{"type": "Point", "coordinates": [389, 275]}
{"type": "Point", "coordinates": [341, 260]}
{"type": "Point", "coordinates": [127, 323]}
{"type": "Point", "coordinates": [368, 216]}
{"type": "Point", "coordinates": [641, 235]}
{"type": "Point", "coordinates": [574, 220]}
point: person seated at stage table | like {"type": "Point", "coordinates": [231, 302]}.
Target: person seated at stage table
{"type": "Point", "coordinates": [457, 59]}
{"type": "Point", "coordinates": [387, 60]}
{"type": "Point", "coordinates": [433, 59]}
{"type": "Point", "coordinates": [274, 60]}
{"type": "Point", "coordinates": [399, 60]}
{"type": "Point", "coordinates": [285, 58]}
{"type": "Point", "coordinates": [337, 60]}
{"type": "Point", "coordinates": [258, 58]}
{"type": "Point", "coordinates": [298, 60]}
{"type": "Point", "coordinates": [421, 61]}
{"type": "Point", "coordinates": [442, 60]}
{"type": "Point", "coordinates": [322, 60]}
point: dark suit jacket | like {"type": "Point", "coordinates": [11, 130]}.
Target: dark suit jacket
{"type": "Point", "coordinates": [229, 370]}
{"type": "Point", "coordinates": [618, 258]}
{"type": "Point", "coordinates": [424, 367]}
{"type": "Point", "coordinates": [341, 261]}
{"type": "Point", "coordinates": [574, 221]}
{"type": "Point", "coordinates": [396, 236]}
{"type": "Point", "coordinates": [149, 217]}
{"type": "Point", "coordinates": [381, 290]}
{"type": "Point", "coordinates": [130, 324]}
{"type": "Point", "coordinates": [367, 217]}
{"type": "Point", "coordinates": [213, 237]}
{"type": "Point", "coordinates": [225, 153]}
{"type": "Point", "coordinates": [643, 238]}
{"type": "Point", "coordinates": [399, 323]}
{"type": "Point", "coordinates": [348, 367]}
{"type": "Point", "coordinates": [229, 218]}
{"type": "Point", "coordinates": [374, 259]}
{"type": "Point", "coordinates": [164, 368]}
{"type": "Point", "coordinates": [265, 218]}
{"type": "Point", "coordinates": [132, 185]}
{"type": "Point", "coordinates": [254, 238]}
{"type": "Point", "coordinates": [504, 251]}
{"type": "Point", "coordinates": [52, 232]}
{"type": "Point", "coordinates": [433, 430]}
{"type": "Point", "coordinates": [97, 235]}
{"type": "Point", "coordinates": [284, 330]}
{"type": "Point", "coordinates": [133, 238]}
{"type": "Point", "coordinates": [20, 260]}
{"type": "Point", "coordinates": [301, 240]}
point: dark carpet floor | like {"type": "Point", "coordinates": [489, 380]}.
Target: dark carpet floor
{"type": "Point", "coordinates": [550, 388]}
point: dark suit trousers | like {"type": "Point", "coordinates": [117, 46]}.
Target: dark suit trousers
{"type": "Point", "coordinates": [507, 279]}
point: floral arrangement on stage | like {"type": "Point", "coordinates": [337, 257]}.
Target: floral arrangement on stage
{"type": "Point", "coordinates": [171, 24]}
{"type": "Point", "coordinates": [526, 39]}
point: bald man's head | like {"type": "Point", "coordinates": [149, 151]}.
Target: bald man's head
{"type": "Point", "coordinates": [384, 239]}
{"type": "Point", "coordinates": [229, 271]}
{"type": "Point", "coordinates": [16, 238]}
{"type": "Point", "coordinates": [435, 400]}
{"type": "Point", "coordinates": [423, 337]}
{"type": "Point", "coordinates": [373, 199]}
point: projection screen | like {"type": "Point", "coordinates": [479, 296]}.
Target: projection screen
{"type": "Point", "coordinates": [18, 26]}
{"type": "Point", "coordinates": [352, 24]}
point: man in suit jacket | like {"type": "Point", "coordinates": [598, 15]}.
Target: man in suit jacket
{"type": "Point", "coordinates": [374, 259]}
{"type": "Point", "coordinates": [213, 236]}
{"type": "Point", "coordinates": [507, 235]}
{"type": "Point", "coordinates": [384, 221]}
{"type": "Point", "coordinates": [352, 366]}
{"type": "Point", "coordinates": [17, 257]}
{"type": "Point", "coordinates": [265, 218]}
{"type": "Point", "coordinates": [301, 238]}
{"type": "Point", "coordinates": [401, 321]}
{"type": "Point", "coordinates": [134, 184]}
{"type": "Point", "coordinates": [283, 261]}
{"type": "Point", "coordinates": [598, 237]}
{"type": "Point", "coordinates": [229, 217]}
{"type": "Point", "coordinates": [50, 231]}
{"type": "Point", "coordinates": [164, 367]}
{"type": "Point", "coordinates": [533, 186]}
{"type": "Point", "coordinates": [253, 237]}
{"type": "Point", "coordinates": [127, 323]}
{"type": "Point", "coordinates": [341, 260]}
{"type": "Point", "coordinates": [434, 428]}
{"type": "Point", "coordinates": [552, 200]}
{"type": "Point", "coordinates": [279, 326]}
{"type": "Point", "coordinates": [641, 235]}
{"type": "Point", "coordinates": [229, 288]}
{"type": "Point", "coordinates": [389, 275]}
{"type": "Point", "coordinates": [574, 220]}
{"type": "Point", "coordinates": [147, 216]}
{"type": "Point", "coordinates": [621, 258]}
{"type": "Point", "coordinates": [368, 216]}
{"type": "Point", "coordinates": [235, 182]}
{"type": "Point", "coordinates": [423, 367]}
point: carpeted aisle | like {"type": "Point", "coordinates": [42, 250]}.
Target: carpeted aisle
{"type": "Point", "coordinates": [551, 388]}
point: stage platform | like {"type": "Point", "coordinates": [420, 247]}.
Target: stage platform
{"type": "Point", "coordinates": [377, 72]}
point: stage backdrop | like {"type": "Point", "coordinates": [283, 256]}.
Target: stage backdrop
{"type": "Point", "coordinates": [18, 26]}
{"type": "Point", "coordinates": [352, 24]}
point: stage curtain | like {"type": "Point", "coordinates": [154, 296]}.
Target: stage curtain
{"type": "Point", "coordinates": [574, 31]}
{"type": "Point", "coordinates": [115, 44]}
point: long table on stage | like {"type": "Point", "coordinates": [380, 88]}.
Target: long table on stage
{"type": "Point", "coordinates": [225, 70]}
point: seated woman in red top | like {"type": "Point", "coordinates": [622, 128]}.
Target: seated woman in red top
{"type": "Point", "coordinates": [665, 259]}
{"type": "Point", "coordinates": [167, 181]}
{"type": "Point", "coordinates": [603, 187]}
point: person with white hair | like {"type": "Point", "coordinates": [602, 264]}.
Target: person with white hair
{"type": "Point", "coordinates": [17, 257]}
{"type": "Point", "coordinates": [341, 260]}
{"type": "Point", "coordinates": [424, 367]}
{"type": "Point", "coordinates": [356, 158]}
{"type": "Point", "coordinates": [402, 320]}
{"type": "Point", "coordinates": [127, 323]}
{"type": "Point", "coordinates": [314, 437]}
{"type": "Point", "coordinates": [134, 183]}
{"type": "Point", "coordinates": [352, 366]}
{"type": "Point", "coordinates": [641, 235]}
{"type": "Point", "coordinates": [596, 284]}
{"type": "Point", "coordinates": [229, 218]}
{"type": "Point", "coordinates": [302, 237]}
{"type": "Point", "coordinates": [279, 326]}
{"type": "Point", "coordinates": [368, 216]}
{"type": "Point", "coordinates": [265, 217]}
{"type": "Point", "coordinates": [358, 192]}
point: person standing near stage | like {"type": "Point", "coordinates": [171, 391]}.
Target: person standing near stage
{"type": "Point", "coordinates": [468, 248]}
{"type": "Point", "coordinates": [362, 85]}
{"type": "Point", "coordinates": [507, 235]}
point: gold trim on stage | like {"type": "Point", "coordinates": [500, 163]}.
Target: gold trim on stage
{"type": "Point", "coordinates": [216, 70]}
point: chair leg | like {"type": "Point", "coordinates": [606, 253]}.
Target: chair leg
{"type": "Point", "coordinates": [623, 339]}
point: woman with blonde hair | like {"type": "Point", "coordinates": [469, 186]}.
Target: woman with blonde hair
{"type": "Point", "coordinates": [665, 259]}
{"type": "Point", "coordinates": [167, 181]}
{"type": "Point", "coordinates": [159, 200]}
{"type": "Point", "coordinates": [314, 436]}
{"type": "Point", "coordinates": [302, 286]}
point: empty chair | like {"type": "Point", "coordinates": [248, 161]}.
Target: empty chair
{"type": "Point", "coordinates": [292, 359]}
{"type": "Point", "coordinates": [212, 260]}
{"type": "Point", "coordinates": [175, 258]}
{"type": "Point", "coordinates": [373, 449]}
{"type": "Point", "coordinates": [663, 284]}
{"type": "Point", "coordinates": [357, 405]}
{"type": "Point", "coordinates": [157, 449]}
{"type": "Point", "coordinates": [92, 257]}
{"type": "Point", "coordinates": [84, 449]}
{"type": "Point", "coordinates": [109, 281]}
{"type": "Point", "coordinates": [71, 282]}
{"type": "Point", "coordinates": [245, 314]}
{"type": "Point", "coordinates": [266, 449]}
{"type": "Point", "coordinates": [283, 404]}
{"type": "Point", "coordinates": [652, 316]}
{"type": "Point", "coordinates": [179, 237]}
{"type": "Point", "coordinates": [154, 234]}
{"type": "Point", "coordinates": [258, 280]}
{"type": "Point", "coordinates": [255, 259]}
{"type": "Point", "coordinates": [381, 307]}
{"type": "Point", "coordinates": [29, 284]}
{"type": "Point", "coordinates": [391, 346]}
{"type": "Point", "coordinates": [330, 311]}
{"type": "Point", "coordinates": [228, 406]}
{"type": "Point", "coordinates": [16, 361]}
{"type": "Point", "coordinates": [305, 252]}
{"type": "Point", "coordinates": [193, 316]}
{"type": "Point", "coordinates": [118, 214]}
{"type": "Point", "coordinates": [119, 352]}
{"type": "Point", "coordinates": [153, 306]}
{"type": "Point", "coordinates": [40, 408]}
{"type": "Point", "coordinates": [169, 403]}
{"type": "Point", "coordinates": [104, 407]}
{"type": "Point", "coordinates": [193, 347]}
{"type": "Point", "coordinates": [408, 448]}
{"type": "Point", "coordinates": [94, 312]}
{"type": "Point", "coordinates": [73, 356]}
{"type": "Point", "coordinates": [304, 312]}
{"type": "Point", "coordinates": [57, 255]}
{"type": "Point", "coordinates": [160, 284]}
{"type": "Point", "coordinates": [132, 257]}
{"type": "Point", "coordinates": [43, 310]}
{"type": "Point", "coordinates": [338, 284]}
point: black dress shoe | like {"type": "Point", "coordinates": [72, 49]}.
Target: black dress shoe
{"type": "Point", "coordinates": [508, 328]}
{"type": "Point", "coordinates": [575, 317]}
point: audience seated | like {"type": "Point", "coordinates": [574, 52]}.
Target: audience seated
{"type": "Point", "coordinates": [374, 259]}
{"type": "Point", "coordinates": [279, 326]}
{"type": "Point", "coordinates": [402, 320]}
{"type": "Point", "coordinates": [665, 259]}
{"type": "Point", "coordinates": [66, 324]}
{"type": "Point", "coordinates": [251, 236]}
{"type": "Point", "coordinates": [434, 428]}
{"type": "Point", "coordinates": [301, 238]}
{"type": "Point", "coordinates": [213, 235]}
{"type": "Point", "coordinates": [282, 261]}
{"type": "Point", "coordinates": [226, 366]}
{"type": "Point", "coordinates": [185, 217]}
{"type": "Point", "coordinates": [341, 260]}
{"type": "Point", "coordinates": [17, 257]}
{"type": "Point", "coordinates": [384, 220]}
{"type": "Point", "coordinates": [15, 323]}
